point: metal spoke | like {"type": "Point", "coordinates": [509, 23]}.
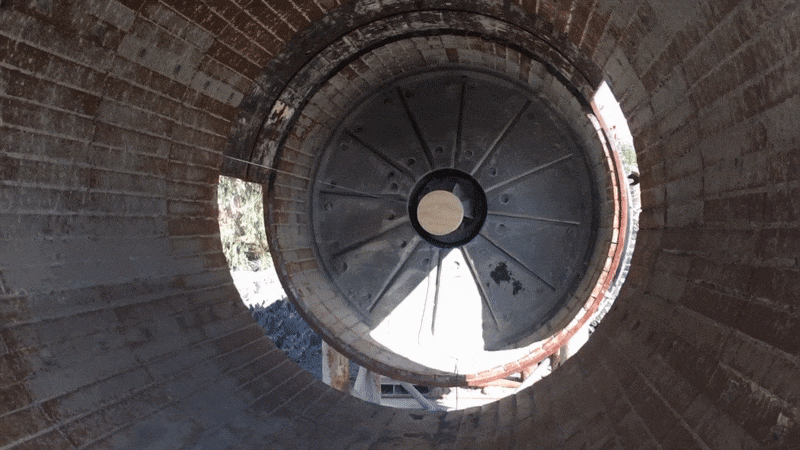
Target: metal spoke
{"type": "Point", "coordinates": [381, 156]}
{"type": "Point", "coordinates": [369, 239]}
{"type": "Point", "coordinates": [481, 288]}
{"type": "Point", "coordinates": [300, 177]}
{"type": "Point", "coordinates": [415, 125]}
{"type": "Point", "coordinates": [509, 126]}
{"type": "Point", "coordinates": [395, 273]}
{"type": "Point", "coordinates": [358, 194]}
{"type": "Point", "coordinates": [517, 260]}
{"type": "Point", "coordinates": [439, 258]}
{"type": "Point", "coordinates": [528, 173]}
{"type": "Point", "coordinates": [528, 217]}
{"type": "Point", "coordinates": [460, 129]}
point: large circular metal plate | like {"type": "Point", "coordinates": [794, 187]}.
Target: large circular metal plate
{"type": "Point", "coordinates": [363, 134]}
{"type": "Point", "coordinates": [358, 136]}
{"type": "Point", "coordinates": [506, 266]}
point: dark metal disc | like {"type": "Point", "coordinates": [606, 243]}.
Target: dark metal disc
{"type": "Point", "coordinates": [525, 189]}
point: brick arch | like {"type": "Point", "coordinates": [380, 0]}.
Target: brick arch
{"type": "Point", "coordinates": [120, 326]}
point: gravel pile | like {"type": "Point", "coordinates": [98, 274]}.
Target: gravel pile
{"type": "Point", "coordinates": [290, 333]}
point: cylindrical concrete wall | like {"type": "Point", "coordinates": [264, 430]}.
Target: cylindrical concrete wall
{"type": "Point", "coordinates": [120, 326]}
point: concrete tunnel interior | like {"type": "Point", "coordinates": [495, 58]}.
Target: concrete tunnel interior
{"type": "Point", "coordinates": [120, 326]}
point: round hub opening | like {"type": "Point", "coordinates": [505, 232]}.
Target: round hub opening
{"type": "Point", "coordinates": [440, 212]}
{"type": "Point", "coordinates": [447, 208]}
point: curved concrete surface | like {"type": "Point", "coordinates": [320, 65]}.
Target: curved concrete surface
{"type": "Point", "coordinates": [120, 326]}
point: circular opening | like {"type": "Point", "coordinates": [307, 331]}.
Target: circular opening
{"type": "Point", "coordinates": [435, 208]}
{"type": "Point", "coordinates": [453, 198]}
{"type": "Point", "coordinates": [458, 308]}
{"type": "Point", "coordinates": [440, 212]}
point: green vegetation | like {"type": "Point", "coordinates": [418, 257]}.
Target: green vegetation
{"type": "Point", "coordinates": [241, 224]}
{"type": "Point", "coordinates": [628, 156]}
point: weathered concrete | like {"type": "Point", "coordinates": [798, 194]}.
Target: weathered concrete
{"type": "Point", "coordinates": [119, 323]}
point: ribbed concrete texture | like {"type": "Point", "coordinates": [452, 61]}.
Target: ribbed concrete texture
{"type": "Point", "coordinates": [120, 326]}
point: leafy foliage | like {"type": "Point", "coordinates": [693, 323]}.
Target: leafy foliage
{"type": "Point", "coordinates": [628, 157]}
{"type": "Point", "coordinates": [241, 224]}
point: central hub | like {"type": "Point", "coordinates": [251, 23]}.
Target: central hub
{"type": "Point", "coordinates": [447, 208]}
{"type": "Point", "coordinates": [440, 212]}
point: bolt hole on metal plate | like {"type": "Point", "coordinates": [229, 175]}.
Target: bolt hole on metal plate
{"type": "Point", "coordinates": [453, 211]}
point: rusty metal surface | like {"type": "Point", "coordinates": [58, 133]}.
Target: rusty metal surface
{"type": "Point", "coordinates": [335, 368]}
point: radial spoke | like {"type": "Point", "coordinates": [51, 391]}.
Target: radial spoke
{"type": "Point", "coordinates": [417, 241]}
{"type": "Point", "coordinates": [382, 157]}
{"type": "Point", "coordinates": [439, 258]}
{"type": "Point", "coordinates": [529, 217]}
{"type": "Point", "coordinates": [415, 125]}
{"type": "Point", "coordinates": [481, 288]}
{"type": "Point", "coordinates": [358, 194]}
{"type": "Point", "coordinates": [460, 129]}
{"type": "Point", "coordinates": [300, 177]}
{"type": "Point", "coordinates": [370, 239]}
{"type": "Point", "coordinates": [517, 260]}
{"type": "Point", "coordinates": [509, 126]}
{"type": "Point", "coordinates": [528, 173]}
